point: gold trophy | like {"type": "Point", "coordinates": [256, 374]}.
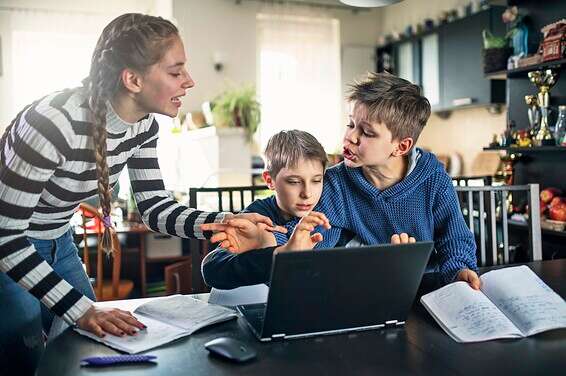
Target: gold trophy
{"type": "Point", "coordinates": [544, 81]}
{"type": "Point", "coordinates": [534, 114]}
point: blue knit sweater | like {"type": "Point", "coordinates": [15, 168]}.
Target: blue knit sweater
{"type": "Point", "coordinates": [424, 204]}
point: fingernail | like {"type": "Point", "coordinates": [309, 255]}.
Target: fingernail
{"type": "Point", "coordinates": [122, 334]}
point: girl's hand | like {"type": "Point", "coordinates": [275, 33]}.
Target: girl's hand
{"type": "Point", "coordinates": [109, 320]}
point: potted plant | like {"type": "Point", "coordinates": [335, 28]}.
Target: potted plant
{"type": "Point", "coordinates": [496, 51]}
{"type": "Point", "coordinates": [238, 107]}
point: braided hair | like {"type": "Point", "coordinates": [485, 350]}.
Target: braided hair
{"type": "Point", "coordinates": [134, 41]}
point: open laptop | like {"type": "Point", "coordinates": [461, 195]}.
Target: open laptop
{"type": "Point", "coordinates": [338, 290]}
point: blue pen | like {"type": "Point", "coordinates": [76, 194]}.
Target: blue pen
{"type": "Point", "coordinates": [100, 361]}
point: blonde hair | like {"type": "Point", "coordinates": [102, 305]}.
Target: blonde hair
{"type": "Point", "coordinates": [286, 148]}
{"type": "Point", "coordinates": [393, 101]}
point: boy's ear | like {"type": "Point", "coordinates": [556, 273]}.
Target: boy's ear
{"type": "Point", "coordinates": [403, 147]}
{"type": "Point", "coordinates": [131, 80]}
{"type": "Point", "coordinates": [268, 180]}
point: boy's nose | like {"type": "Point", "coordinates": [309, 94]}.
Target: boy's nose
{"type": "Point", "coordinates": [351, 136]}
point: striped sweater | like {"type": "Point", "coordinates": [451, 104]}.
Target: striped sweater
{"type": "Point", "coordinates": [47, 168]}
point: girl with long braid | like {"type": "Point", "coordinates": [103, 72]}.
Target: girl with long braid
{"type": "Point", "coordinates": [70, 146]}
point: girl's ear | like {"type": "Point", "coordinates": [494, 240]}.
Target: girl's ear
{"type": "Point", "coordinates": [404, 147]}
{"type": "Point", "coordinates": [131, 80]}
{"type": "Point", "coordinates": [268, 180]}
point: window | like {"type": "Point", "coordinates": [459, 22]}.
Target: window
{"type": "Point", "coordinates": [44, 62]}
{"type": "Point", "coordinates": [299, 82]}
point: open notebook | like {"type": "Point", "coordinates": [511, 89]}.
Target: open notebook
{"type": "Point", "coordinates": [512, 303]}
{"type": "Point", "coordinates": [166, 319]}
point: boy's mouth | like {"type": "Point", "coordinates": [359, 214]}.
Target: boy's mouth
{"type": "Point", "coordinates": [303, 207]}
{"type": "Point", "coordinates": [348, 154]}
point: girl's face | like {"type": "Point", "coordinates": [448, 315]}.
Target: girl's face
{"type": "Point", "coordinates": [166, 82]}
{"type": "Point", "coordinates": [366, 144]}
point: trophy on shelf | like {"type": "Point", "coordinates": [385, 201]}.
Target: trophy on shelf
{"type": "Point", "coordinates": [534, 114]}
{"type": "Point", "coordinates": [544, 81]}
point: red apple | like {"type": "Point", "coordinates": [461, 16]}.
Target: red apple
{"type": "Point", "coordinates": [558, 212]}
{"type": "Point", "coordinates": [557, 201]}
{"type": "Point", "coordinates": [546, 195]}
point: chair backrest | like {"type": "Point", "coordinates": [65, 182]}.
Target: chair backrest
{"type": "Point", "coordinates": [464, 181]}
{"type": "Point", "coordinates": [486, 210]}
{"type": "Point", "coordinates": [233, 199]}
{"type": "Point", "coordinates": [89, 211]}
{"type": "Point", "coordinates": [178, 278]}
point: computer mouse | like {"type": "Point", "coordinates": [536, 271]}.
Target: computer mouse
{"type": "Point", "coordinates": [231, 348]}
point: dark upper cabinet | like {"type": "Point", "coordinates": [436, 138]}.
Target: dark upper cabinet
{"type": "Point", "coordinates": [463, 81]}
{"type": "Point", "coordinates": [448, 63]}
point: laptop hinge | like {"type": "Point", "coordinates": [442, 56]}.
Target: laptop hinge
{"type": "Point", "coordinates": [276, 337]}
{"type": "Point", "coordinates": [393, 323]}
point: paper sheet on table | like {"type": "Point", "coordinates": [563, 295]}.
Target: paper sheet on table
{"type": "Point", "coordinates": [253, 294]}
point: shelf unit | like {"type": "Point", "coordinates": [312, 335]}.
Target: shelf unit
{"type": "Point", "coordinates": [523, 71]}
{"type": "Point", "coordinates": [545, 231]}
{"type": "Point", "coordinates": [534, 149]}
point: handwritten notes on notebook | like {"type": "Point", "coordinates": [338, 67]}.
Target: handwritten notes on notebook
{"type": "Point", "coordinates": [166, 319]}
{"type": "Point", "coordinates": [513, 302]}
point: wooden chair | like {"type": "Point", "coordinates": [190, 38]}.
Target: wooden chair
{"type": "Point", "coordinates": [232, 199]}
{"type": "Point", "coordinates": [486, 212]}
{"type": "Point", "coordinates": [178, 278]}
{"type": "Point", "coordinates": [104, 290]}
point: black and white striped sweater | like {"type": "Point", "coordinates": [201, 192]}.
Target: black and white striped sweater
{"type": "Point", "coordinates": [47, 168]}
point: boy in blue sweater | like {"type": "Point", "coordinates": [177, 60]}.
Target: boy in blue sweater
{"type": "Point", "coordinates": [295, 165]}
{"type": "Point", "coordinates": [387, 186]}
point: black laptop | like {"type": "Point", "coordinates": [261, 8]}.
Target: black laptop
{"type": "Point", "coordinates": [338, 290]}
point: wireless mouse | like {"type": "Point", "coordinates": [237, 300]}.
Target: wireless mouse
{"type": "Point", "coordinates": [230, 348]}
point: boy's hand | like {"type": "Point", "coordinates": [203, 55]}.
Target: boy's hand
{"type": "Point", "coordinates": [469, 276]}
{"type": "Point", "coordinates": [239, 235]}
{"type": "Point", "coordinates": [301, 238]}
{"type": "Point", "coordinates": [402, 239]}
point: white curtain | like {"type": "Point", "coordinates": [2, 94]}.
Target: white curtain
{"type": "Point", "coordinates": [299, 84]}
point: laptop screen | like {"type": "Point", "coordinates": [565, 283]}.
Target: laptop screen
{"type": "Point", "coordinates": [341, 288]}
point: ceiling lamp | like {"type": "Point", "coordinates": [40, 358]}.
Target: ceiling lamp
{"type": "Point", "coordinates": [369, 3]}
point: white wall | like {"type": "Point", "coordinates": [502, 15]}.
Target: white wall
{"type": "Point", "coordinates": [221, 26]}
{"type": "Point", "coordinates": [211, 26]}
{"type": "Point", "coordinates": [411, 12]}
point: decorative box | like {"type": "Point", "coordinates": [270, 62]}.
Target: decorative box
{"type": "Point", "coordinates": [554, 44]}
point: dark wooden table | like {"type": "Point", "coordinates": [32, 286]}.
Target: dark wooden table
{"type": "Point", "coordinates": [421, 347]}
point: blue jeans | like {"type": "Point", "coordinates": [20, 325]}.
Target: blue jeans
{"type": "Point", "coordinates": [23, 319]}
